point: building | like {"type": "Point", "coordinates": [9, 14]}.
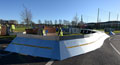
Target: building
{"type": "Point", "coordinates": [102, 25]}
{"type": "Point", "coordinates": [8, 21]}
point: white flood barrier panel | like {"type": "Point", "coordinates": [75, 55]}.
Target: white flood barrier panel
{"type": "Point", "coordinates": [69, 48]}
{"type": "Point", "coordinates": [55, 47]}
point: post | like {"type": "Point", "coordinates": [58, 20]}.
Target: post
{"type": "Point", "coordinates": [97, 19]}
{"type": "Point", "coordinates": [117, 17]}
{"type": "Point", "coordinates": [109, 16]}
{"type": "Point", "coordinates": [98, 16]}
{"type": "Point", "coordinates": [117, 20]}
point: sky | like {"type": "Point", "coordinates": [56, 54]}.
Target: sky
{"type": "Point", "coordinates": [60, 9]}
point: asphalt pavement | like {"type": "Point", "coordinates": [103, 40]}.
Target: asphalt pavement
{"type": "Point", "coordinates": [106, 55]}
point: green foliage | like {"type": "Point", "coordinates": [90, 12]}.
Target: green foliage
{"type": "Point", "coordinates": [118, 31]}
{"type": "Point", "coordinates": [20, 29]}
{"type": "Point", "coordinates": [6, 37]}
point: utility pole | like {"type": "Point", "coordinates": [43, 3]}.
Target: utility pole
{"type": "Point", "coordinates": [117, 20]}
{"type": "Point", "coordinates": [98, 15]}
{"type": "Point", "coordinates": [109, 16]}
{"type": "Point", "coordinates": [81, 18]}
{"type": "Point", "coordinates": [117, 17]}
{"type": "Point", "coordinates": [97, 25]}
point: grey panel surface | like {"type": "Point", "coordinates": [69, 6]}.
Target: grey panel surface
{"type": "Point", "coordinates": [50, 37]}
{"type": "Point", "coordinates": [86, 32]}
{"type": "Point", "coordinates": [39, 37]}
{"type": "Point", "coordinates": [70, 37]}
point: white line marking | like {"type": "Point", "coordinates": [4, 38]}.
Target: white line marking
{"type": "Point", "coordinates": [49, 62]}
{"type": "Point", "coordinates": [114, 48]}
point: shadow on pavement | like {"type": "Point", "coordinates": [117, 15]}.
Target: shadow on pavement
{"type": "Point", "coordinates": [20, 59]}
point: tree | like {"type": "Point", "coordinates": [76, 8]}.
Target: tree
{"type": "Point", "coordinates": [33, 23]}
{"type": "Point", "coordinates": [22, 22]}
{"type": "Point", "coordinates": [39, 22]}
{"type": "Point", "coordinates": [60, 21]}
{"type": "Point", "coordinates": [26, 16]}
{"type": "Point", "coordinates": [45, 22]}
{"type": "Point", "coordinates": [73, 23]}
{"type": "Point", "coordinates": [75, 20]}
{"type": "Point", "coordinates": [81, 23]}
{"type": "Point", "coordinates": [13, 21]}
{"type": "Point", "coordinates": [51, 22]}
{"type": "Point", "coordinates": [66, 22]}
{"type": "Point", "coordinates": [55, 22]}
{"type": "Point", "coordinates": [48, 22]}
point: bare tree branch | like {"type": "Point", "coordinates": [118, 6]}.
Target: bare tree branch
{"type": "Point", "coordinates": [26, 16]}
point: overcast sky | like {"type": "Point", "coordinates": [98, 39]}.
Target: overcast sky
{"type": "Point", "coordinates": [60, 9]}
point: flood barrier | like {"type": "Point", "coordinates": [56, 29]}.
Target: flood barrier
{"type": "Point", "coordinates": [56, 47]}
